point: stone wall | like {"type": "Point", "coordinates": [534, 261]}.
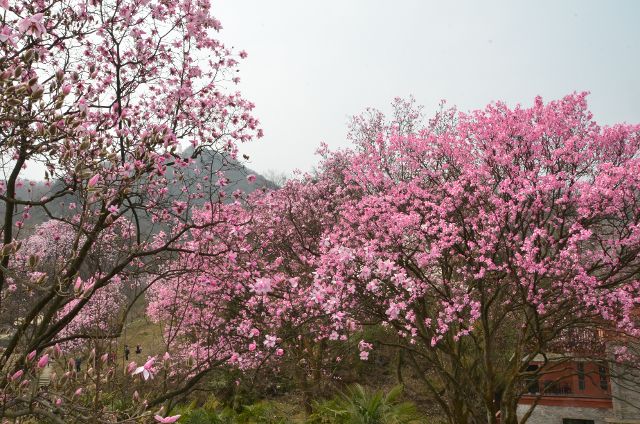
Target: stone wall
{"type": "Point", "coordinates": [554, 414]}
{"type": "Point", "coordinates": [625, 388]}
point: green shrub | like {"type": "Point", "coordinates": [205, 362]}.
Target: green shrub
{"type": "Point", "coordinates": [263, 412]}
{"type": "Point", "coordinates": [358, 405]}
{"type": "Point", "coordinates": [212, 412]}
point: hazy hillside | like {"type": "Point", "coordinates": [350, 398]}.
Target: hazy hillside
{"type": "Point", "coordinates": [208, 163]}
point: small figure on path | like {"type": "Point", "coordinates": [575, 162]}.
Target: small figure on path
{"type": "Point", "coordinates": [78, 362]}
{"type": "Point", "coordinates": [127, 351]}
{"type": "Point", "coordinates": [138, 350]}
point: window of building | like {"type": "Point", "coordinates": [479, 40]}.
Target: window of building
{"type": "Point", "coordinates": [581, 382]}
{"type": "Point", "coordinates": [532, 381]}
{"type": "Point", "coordinates": [604, 384]}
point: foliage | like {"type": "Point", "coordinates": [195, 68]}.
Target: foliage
{"type": "Point", "coordinates": [263, 412]}
{"type": "Point", "coordinates": [357, 405]}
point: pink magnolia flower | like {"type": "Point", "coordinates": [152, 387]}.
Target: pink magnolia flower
{"type": "Point", "coordinates": [16, 375]}
{"type": "Point", "coordinates": [86, 291]}
{"type": "Point", "coordinates": [4, 4]}
{"type": "Point", "coordinates": [270, 341]}
{"type": "Point", "coordinates": [167, 420]}
{"type": "Point", "coordinates": [6, 34]}
{"type": "Point", "coordinates": [78, 392]}
{"type": "Point", "coordinates": [78, 284]}
{"type": "Point", "coordinates": [251, 178]}
{"type": "Point", "coordinates": [31, 355]}
{"type": "Point", "coordinates": [82, 105]}
{"type": "Point", "coordinates": [94, 180]}
{"type": "Point", "coordinates": [364, 349]}
{"type": "Point", "coordinates": [261, 286]}
{"type": "Point", "coordinates": [32, 25]}
{"type": "Point", "coordinates": [44, 361]}
{"type": "Point", "coordinates": [132, 366]}
{"type": "Point", "coordinates": [146, 370]}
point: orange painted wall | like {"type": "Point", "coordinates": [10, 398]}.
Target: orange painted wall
{"type": "Point", "coordinates": [566, 389]}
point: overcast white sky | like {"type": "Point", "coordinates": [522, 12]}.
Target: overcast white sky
{"type": "Point", "coordinates": [312, 64]}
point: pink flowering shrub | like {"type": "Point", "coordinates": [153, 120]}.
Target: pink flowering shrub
{"type": "Point", "coordinates": [481, 237]}
{"type": "Point", "coordinates": [246, 302]}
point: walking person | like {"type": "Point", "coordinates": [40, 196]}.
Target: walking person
{"type": "Point", "coordinates": [127, 351]}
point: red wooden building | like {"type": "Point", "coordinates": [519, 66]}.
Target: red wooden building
{"type": "Point", "coordinates": [569, 391]}
{"type": "Point", "coordinates": [577, 387]}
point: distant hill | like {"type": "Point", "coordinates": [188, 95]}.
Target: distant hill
{"type": "Point", "coordinates": [208, 163]}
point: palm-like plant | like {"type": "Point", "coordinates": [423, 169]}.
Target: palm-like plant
{"type": "Point", "coordinates": [358, 405]}
{"type": "Point", "coordinates": [264, 412]}
{"type": "Point", "coordinates": [213, 412]}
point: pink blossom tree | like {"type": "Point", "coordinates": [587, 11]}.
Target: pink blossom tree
{"type": "Point", "coordinates": [100, 318]}
{"type": "Point", "coordinates": [202, 303]}
{"type": "Point", "coordinates": [247, 302]}
{"type": "Point", "coordinates": [102, 96]}
{"type": "Point", "coordinates": [483, 240]}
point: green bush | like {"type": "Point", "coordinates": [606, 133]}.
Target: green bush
{"type": "Point", "coordinates": [264, 412]}
{"type": "Point", "coordinates": [206, 414]}
{"type": "Point", "coordinates": [358, 405]}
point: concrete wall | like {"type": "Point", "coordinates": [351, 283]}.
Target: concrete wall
{"type": "Point", "coordinates": [625, 387]}
{"type": "Point", "coordinates": [625, 391]}
{"type": "Point", "coordinates": [554, 414]}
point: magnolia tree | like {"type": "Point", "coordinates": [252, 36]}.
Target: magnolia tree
{"type": "Point", "coordinates": [484, 240]}
{"type": "Point", "coordinates": [286, 234]}
{"type": "Point", "coordinates": [43, 256]}
{"type": "Point", "coordinates": [247, 303]}
{"type": "Point", "coordinates": [201, 302]}
{"type": "Point", "coordinates": [101, 97]}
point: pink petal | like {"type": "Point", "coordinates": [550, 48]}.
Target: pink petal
{"type": "Point", "coordinates": [44, 361]}
{"type": "Point", "coordinates": [167, 420]}
{"type": "Point", "coordinates": [94, 180]}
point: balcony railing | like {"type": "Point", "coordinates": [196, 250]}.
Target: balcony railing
{"type": "Point", "coordinates": [550, 388]}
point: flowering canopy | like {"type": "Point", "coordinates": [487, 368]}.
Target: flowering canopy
{"type": "Point", "coordinates": [501, 224]}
